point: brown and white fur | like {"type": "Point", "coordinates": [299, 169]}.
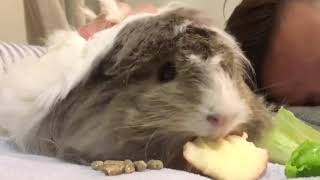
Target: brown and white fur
{"type": "Point", "coordinates": [138, 90]}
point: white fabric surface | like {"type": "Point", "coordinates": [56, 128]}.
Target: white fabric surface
{"type": "Point", "coordinates": [17, 166]}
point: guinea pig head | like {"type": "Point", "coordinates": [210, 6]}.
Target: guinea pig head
{"type": "Point", "coordinates": [175, 73]}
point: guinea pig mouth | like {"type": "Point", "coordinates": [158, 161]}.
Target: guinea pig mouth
{"type": "Point", "coordinates": [214, 120]}
{"type": "Point", "coordinates": [193, 138]}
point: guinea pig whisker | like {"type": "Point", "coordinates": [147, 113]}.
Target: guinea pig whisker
{"type": "Point", "coordinates": [258, 111]}
{"type": "Point", "coordinates": [277, 84]}
{"type": "Point", "coordinates": [127, 127]}
{"type": "Point", "coordinates": [148, 143]}
{"type": "Point", "coordinates": [48, 140]}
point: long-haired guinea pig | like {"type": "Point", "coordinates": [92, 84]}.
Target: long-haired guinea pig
{"type": "Point", "coordinates": [139, 90]}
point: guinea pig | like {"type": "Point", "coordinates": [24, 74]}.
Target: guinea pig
{"type": "Point", "coordinates": [139, 90]}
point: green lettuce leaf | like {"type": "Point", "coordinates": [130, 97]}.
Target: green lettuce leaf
{"type": "Point", "coordinates": [305, 161]}
{"type": "Point", "coordinates": [286, 135]}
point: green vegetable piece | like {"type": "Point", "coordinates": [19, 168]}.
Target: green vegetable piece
{"type": "Point", "coordinates": [305, 161]}
{"type": "Point", "coordinates": [287, 133]}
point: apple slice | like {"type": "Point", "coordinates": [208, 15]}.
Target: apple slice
{"type": "Point", "coordinates": [232, 158]}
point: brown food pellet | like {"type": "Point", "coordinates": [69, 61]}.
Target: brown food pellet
{"type": "Point", "coordinates": [113, 169]}
{"type": "Point", "coordinates": [129, 167]}
{"type": "Point", "coordinates": [112, 162]}
{"type": "Point", "coordinates": [96, 165]}
{"type": "Point", "coordinates": [140, 165]}
{"type": "Point", "coordinates": [155, 164]}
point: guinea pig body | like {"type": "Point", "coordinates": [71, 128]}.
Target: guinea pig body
{"type": "Point", "coordinates": [140, 90]}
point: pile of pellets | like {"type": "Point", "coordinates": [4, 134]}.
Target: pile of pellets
{"type": "Point", "coordinates": [113, 167]}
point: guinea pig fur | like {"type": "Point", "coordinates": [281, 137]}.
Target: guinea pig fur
{"type": "Point", "coordinates": [139, 90]}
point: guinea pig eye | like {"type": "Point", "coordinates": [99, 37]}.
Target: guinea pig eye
{"type": "Point", "coordinates": [167, 72]}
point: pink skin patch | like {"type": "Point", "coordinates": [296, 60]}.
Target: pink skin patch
{"type": "Point", "coordinates": [99, 24]}
{"type": "Point", "coordinates": [102, 21]}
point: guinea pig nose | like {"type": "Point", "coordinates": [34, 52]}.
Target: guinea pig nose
{"type": "Point", "coordinates": [213, 119]}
